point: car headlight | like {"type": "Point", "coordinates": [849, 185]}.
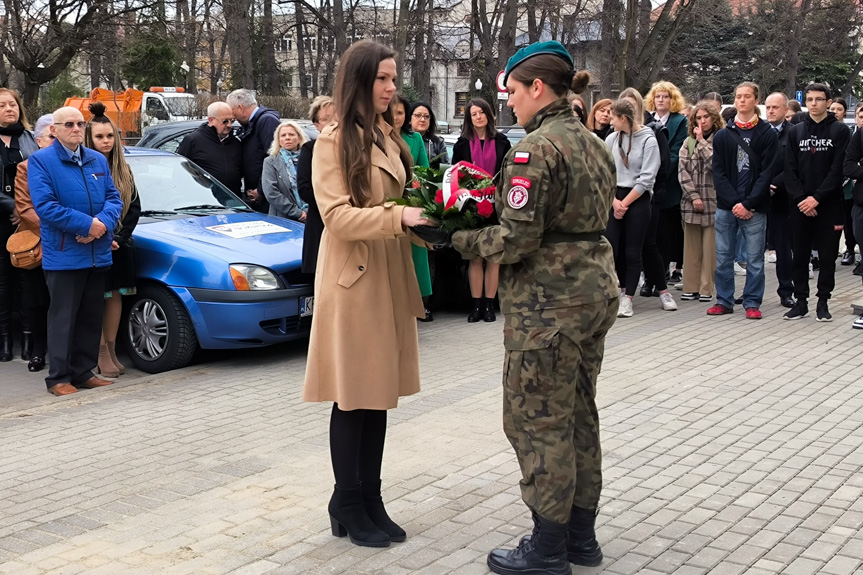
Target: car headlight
{"type": "Point", "coordinates": [248, 277]}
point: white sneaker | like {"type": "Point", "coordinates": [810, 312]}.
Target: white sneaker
{"type": "Point", "coordinates": [771, 257]}
{"type": "Point", "coordinates": [625, 309]}
{"type": "Point", "coordinates": [811, 273]}
{"type": "Point", "coordinates": [678, 286]}
{"type": "Point", "coordinates": [858, 323]}
{"type": "Point", "coordinates": [739, 271]}
{"type": "Point", "coordinates": [668, 303]}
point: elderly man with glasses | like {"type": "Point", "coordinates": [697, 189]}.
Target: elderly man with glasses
{"type": "Point", "coordinates": [78, 208]}
{"type": "Point", "coordinates": [214, 146]}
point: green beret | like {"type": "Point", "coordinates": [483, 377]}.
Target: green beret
{"type": "Point", "coordinates": [551, 47]}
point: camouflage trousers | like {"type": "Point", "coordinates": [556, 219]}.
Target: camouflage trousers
{"type": "Point", "coordinates": [553, 359]}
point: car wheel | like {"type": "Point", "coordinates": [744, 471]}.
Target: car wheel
{"type": "Point", "coordinates": [158, 335]}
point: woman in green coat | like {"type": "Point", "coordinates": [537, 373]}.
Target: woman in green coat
{"type": "Point", "coordinates": [418, 152]}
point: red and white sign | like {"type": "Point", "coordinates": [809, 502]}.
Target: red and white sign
{"type": "Point", "coordinates": [501, 87]}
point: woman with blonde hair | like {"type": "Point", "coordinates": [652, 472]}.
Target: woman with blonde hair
{"type": "Point", "coordinates": [279, 176]}
{"type": "Point", "coordinates": [666, 102]}
{"type": "Point", "coordinates": [102, 135]}
{"type": "Point", "coordinates": [321, 113]}
{"type": "Point", "coordinates": [599, 120]}
{"type": "Point", "coordinates": [698, 204]}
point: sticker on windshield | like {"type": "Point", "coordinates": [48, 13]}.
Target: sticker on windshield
{"type": "Point", "coordinates": [241, 230]}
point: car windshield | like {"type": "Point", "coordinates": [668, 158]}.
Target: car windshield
{"type": "Point", "coordinates": [181, 105]}
{"type": "Point", "coordinates": [168, 183]}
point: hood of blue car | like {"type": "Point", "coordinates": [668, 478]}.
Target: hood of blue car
{"type": "Point", "coordinates": [232, 237]}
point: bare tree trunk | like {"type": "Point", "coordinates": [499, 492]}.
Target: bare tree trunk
{"type": "Point", "coordinates": [95, 70]}
{"type": "Point", "coordinates": [609, 46]}
{"type": "Point", "coordinates": [271, 74]}
{"type": "Point", "coordinates": [301, 49]}
{"type": "Point", "coordinates": [793, 64]}
{"type": "Point", "coordinates": [239, 33]}
{"type": "Point", "coordinates": [400, 39]}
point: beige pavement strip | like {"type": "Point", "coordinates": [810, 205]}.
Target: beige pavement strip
{"type": "Point", "coordinates": [730, 446]}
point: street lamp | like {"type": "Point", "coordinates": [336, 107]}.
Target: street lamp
{"type": "Point", "coordinates": [185, 69]}
{"type": "Point", "coordinates": [478, 85]}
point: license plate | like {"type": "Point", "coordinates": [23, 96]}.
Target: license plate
{"type": "Point", "coordinates": [307, 306]}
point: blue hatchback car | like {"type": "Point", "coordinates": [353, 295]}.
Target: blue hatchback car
{"type": "Point", "coordinates": [212, 273]}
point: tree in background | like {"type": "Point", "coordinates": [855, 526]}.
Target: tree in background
{"type": "Point", "coordinates": [149, 59]}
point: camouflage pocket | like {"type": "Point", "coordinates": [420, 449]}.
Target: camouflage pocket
{"type": "Point", "coordinates": [532, 355]}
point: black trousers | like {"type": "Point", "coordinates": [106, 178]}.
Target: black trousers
{"type": "Point", "coordinates": [74, 323]}
{"type": "Point", "coordinates": [857, 218]}
{"type": "Point", "coordinates": [809, 234]}
{"type": "Point", "coordinates": [849, 231]}
{"type": "Point", "coordinates": [670, 236]}
{"type": "Point", "coordinates": [627, 239]}
{"type": "Point", "coordinates": [779, 236]}
{"type": "Point", "coordinates": [654, 266]}
{"type": "Point", "coordinates": [35, 300]}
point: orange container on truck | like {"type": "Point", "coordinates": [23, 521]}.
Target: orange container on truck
{"type": "Point", "coordinates": [133, 110]}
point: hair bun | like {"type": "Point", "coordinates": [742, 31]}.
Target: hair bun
{"type": "Point", "coordinates": [97, 109]}
{"type": "Point", "coordinates": [580, 81]}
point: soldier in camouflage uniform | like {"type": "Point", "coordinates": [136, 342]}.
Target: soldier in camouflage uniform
{"type": "Point", "coordinates": [559, 297]}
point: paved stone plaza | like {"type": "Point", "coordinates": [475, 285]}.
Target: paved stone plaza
{"type": "Point", "coordinates": [731, 446]}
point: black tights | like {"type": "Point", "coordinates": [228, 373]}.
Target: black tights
{"type": "Point", "coordinates": [357, 445]}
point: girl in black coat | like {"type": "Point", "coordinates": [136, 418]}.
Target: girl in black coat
{"type": "Point", "coordinates": [482, 145]}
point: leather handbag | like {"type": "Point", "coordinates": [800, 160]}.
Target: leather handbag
{"type": "Point", "coordinates": [25, 249]}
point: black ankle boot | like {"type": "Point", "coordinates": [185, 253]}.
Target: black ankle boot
{"type": "Point", "coordinates": [374, 505]}
{"type": "Point", "coordinates": [27, 345]}
{"type": "Point", "coordinates": [348, 517]}
{"type": "Point", "coordinates": [581, 546]}
{"type": "Point", "coordinates": [544, 553]}
{"type": "Point", "coordinates": [5, 347]}
{"type": "Point", "coordinates": [478, 308]}
{"type": "Point", "coordinates": [488, 310]}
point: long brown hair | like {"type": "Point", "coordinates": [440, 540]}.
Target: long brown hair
{"type": "Point", "coordinates": [625, 109]}
{"type": "Point", "coordinates": [121, 173]}
{"type": "Point", "coordinates": [22, 114]}
{"type": "Point", "coordinates": [591, 119]}
{"type": "Point", "coordinates": [355, 111]}
{"type": "Point", "coordinates": [468, 132]}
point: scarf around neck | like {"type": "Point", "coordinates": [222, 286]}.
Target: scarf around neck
{"type": "Point", "coordinates": [291, 159]}
{"type": "Point", "coordinates": [484, 156]}
{"type": "Point", "coordinates": [15, 129]}
{"type": "Point", "coordinates": [746, 125]}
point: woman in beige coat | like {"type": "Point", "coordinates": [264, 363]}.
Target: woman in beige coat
{"type": "Point", "coordinates": [363, 353]}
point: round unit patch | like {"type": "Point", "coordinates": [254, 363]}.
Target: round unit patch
{"type": "Point", "coordinates": [517, 197]}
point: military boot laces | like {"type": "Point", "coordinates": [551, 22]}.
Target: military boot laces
{"type": "Point", "coordinates": [543, 553]}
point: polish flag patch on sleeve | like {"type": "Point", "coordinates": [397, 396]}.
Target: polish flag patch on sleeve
{"type": "Point", "coordinates": [521, 158]}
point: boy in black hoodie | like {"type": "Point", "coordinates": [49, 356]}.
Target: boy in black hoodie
{"type": "Point", "coordinates": [813, 179]}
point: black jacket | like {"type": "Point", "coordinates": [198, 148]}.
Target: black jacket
{"type": "Point", "coordinates": [779, 199]}
{"type": "Point", "coordinates": [461, 150]}
{"type": "Point", "coordinates": [813, 164]}
{"type": "Point", "coordinates": [223, 159]}
{"type": "Point", "coordinates": [763, 144]}
{"type": "Point", "coordinates": [661, 182]}
{"type": "Point", "coordinates": [435, 150]}
{"type": "Point", "coordinates": [853, 168]}
{"type": "Point", "coordinates": [257, 136]}
{"type": "Point", "coordinates": [314, 223]}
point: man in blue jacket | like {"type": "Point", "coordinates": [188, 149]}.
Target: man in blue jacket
{"type": "Point", "coordinates": [78, 208]}
{"type": "Point", "coordinates": [743, 156]}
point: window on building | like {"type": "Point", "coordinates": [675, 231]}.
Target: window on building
{"type": "Point", "coordinates": [462, 69]}
{"type": "Point", "coordinates": [308, 81]}
{"type": "Point", "coordinates": [461, 99]}
{"type": "Point", "coordinates": [284, 44]}
{"type": "Point", "coordinates": [310, 43]}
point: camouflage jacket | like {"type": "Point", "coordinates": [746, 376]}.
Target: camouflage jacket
{"type": "Point", "coordinates": [553, 198]}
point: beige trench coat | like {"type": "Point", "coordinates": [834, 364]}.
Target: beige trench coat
{"type": "Point", "coordinates": [363, 352]}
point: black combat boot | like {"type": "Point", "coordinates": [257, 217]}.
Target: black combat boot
{"type": "Point", "coordinates": [581, 545]}
{"type": "Point", "coordinates": [5, 346]}
{"type": "Point", "coordinates": [477, 312]}
{"type": "Point", "coordinates": [374, 505]}
{"type": "Point", "coordinates": [488, 311]}
{"type": "Point", "coordinates": [348, 517]}
{"type": "Point", "coordinates": [544, 553]}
